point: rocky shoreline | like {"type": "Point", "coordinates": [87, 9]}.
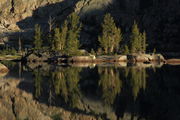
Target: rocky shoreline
{"type": "Point", "coordinates": [132, 58]}
{"type": "Point", "coordinates": [59, 59]}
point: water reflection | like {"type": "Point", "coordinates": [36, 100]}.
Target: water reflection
{"type": "Point", "coordinates": [109, 83]}
{"type": "Point", "coordinates": [73, 87]}
{"type": "Point", "coordinates": [137, 77]}
{"type": "Point", "coordinates": [37, 82]}
{"type": "Point", "coordinates": [109, 92]}
{"type": "Point", "coordinates": [65, 81]}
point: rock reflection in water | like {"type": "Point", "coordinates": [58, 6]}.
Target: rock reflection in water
{"type": "Point", "coordinates": [102, 92]}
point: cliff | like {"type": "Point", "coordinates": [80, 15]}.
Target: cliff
{"type": "Point", "coordinates": [160, 19]}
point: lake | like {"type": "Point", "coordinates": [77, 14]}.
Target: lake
{"type": "Point", "coordinates": [90, 92]}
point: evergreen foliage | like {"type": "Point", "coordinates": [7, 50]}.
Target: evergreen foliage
{"type": "Point", "coordinates": [137, 40]}
{"type": "Point", "coordinates": [51, 23]}
{"type": "Point", "coordinates": [63, 31]}
{"type": "Point", "coordinates": [111, 35]}
{"type": "Point", "coordinates": [135, 43]}
{"type": "Point", "coordinates": [57, 39]}
{"type": "Point", "coordinates": [38, 37]}
{"type": "Point", "coordinates": [60, 37]}
{"type": "Point", "coordinates": [66, 38]}
{"type": "Point", "coordinates": [74, 28]}
{"type": "Point", "coordinates": [143, 39]}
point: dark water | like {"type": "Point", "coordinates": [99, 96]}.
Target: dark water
{"type": "Point", "coordinates": [109, 91]}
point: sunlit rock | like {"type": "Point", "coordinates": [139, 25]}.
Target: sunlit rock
{"type": "Point", "coordinates": [3, 70]}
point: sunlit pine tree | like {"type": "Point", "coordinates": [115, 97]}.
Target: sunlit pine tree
{"type": "Point", "coordinates": [60, 35]}
{"type": "Point", "coordinates": [143, 42]}
{"type": "Point", "coordinates": [73, 34]}
{"type": "Point", "coordinates": [38, 37]}
{"type": "Point", "coordinates": [135, 39]}
{"type": "Point", "coordinates": [111, 35]}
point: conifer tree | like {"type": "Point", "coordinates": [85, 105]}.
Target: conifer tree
{"type": "Point", "coordinates": [64, 31]}
{"type": "Point", "coordinates": [51, 23]}
{"type": "Point", "coordinates": [57, 39]}
{"type": "Point", "coordinates": [135, 39]}
{"type": "Point", "coordinates": [72, 39]}
{"type": "Point", "coordinates": [37, 37]}
{"type": "Point", "coordinates": [60, 37]}
{"type": "Point", "coordinates": [143, 39]}
{"type": "Point", "coordinates": [117, 38]}
{"type": "Point", "coordinates": [72, 44]}
{"type": "Point", "coordinates": [111, 35]}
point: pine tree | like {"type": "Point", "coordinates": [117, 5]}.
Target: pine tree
{"type": "Point", "coordinates": [60, 37]}
{"type": "Point", "coordinates": [117, 38]}
{"type": "Point", "coordinates": [135, 39]}
{"type": "Point", "coordinates": [72, 44]}
{"type": "Point", "coordinates": [143, 42]}
{"type": "Point", "coordinates": [51, 23]}
{"type": "Point", "coordinates": [111, 35]}
{"type": "Point", "coordinates": [64, 31]}
{"type": "Point", "coordinates": [37, 37]}
{"type": "Point", "coordinates": [57, 39]}
{"type": "Point", "coordinates": [72, 39]}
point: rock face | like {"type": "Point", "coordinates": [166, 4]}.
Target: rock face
{"type": "Point", "coordinates": [160, 18]}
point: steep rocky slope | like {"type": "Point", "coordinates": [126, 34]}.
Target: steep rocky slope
{"type": "Point", "coordinates": [159, 18]}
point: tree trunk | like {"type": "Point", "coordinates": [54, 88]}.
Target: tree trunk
{"type": "Point", "coordinates": [111, 49]}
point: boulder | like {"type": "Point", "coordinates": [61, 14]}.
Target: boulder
{"type": "Point", "coordinates": [81, 59]}
{"type": "Point", "coordinates": [13, 27]}
{"type": "Point", "coordinates": [145, 58]}
{"type": "Point", "coordinates": [122, 58]}
{"type": "Point", "coordinates": [37, 57]}
{"type": "Point", "coordinates": [3, 70]}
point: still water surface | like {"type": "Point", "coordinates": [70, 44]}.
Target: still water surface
{"type": "Point", "coordinates": [110, 92]}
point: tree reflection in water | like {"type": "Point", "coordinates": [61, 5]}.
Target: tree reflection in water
{"type": "Point", "coordinates": [65, 85]}
{"type": "Point", "coordinates": [137, 77]}
{"type": "Point", "coordinates": [37, 82]}
{"type": "Point", "coordinates": [110, 84]}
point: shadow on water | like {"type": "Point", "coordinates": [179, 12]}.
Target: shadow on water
{"type": "Point", "coordinates": [111, 93]}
